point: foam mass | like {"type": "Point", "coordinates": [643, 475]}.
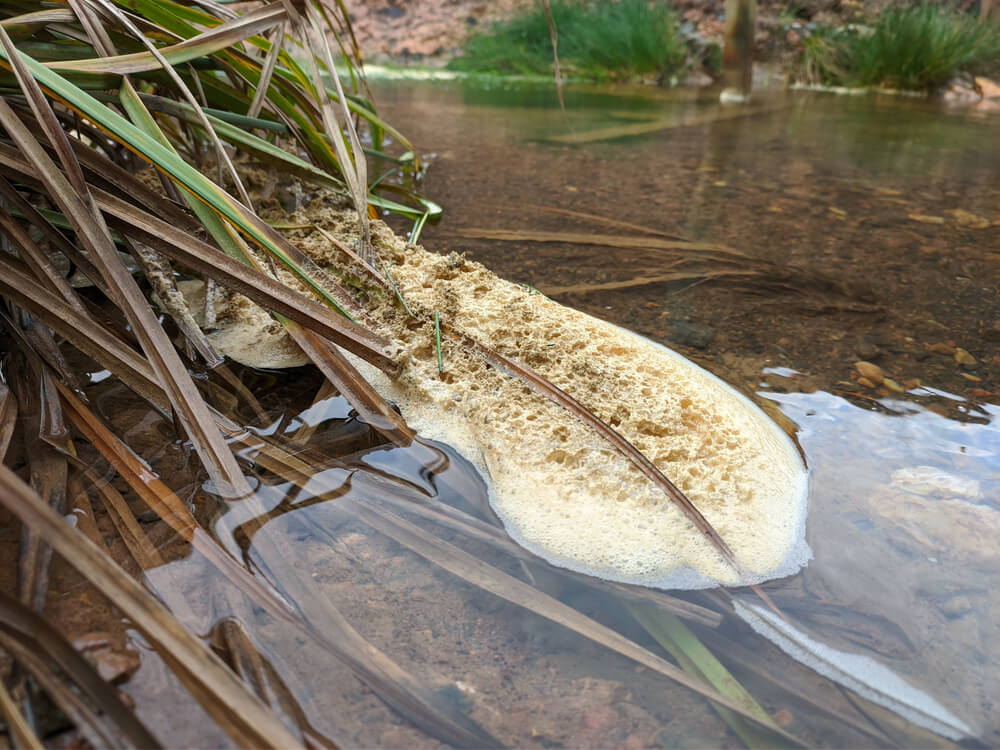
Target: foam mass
{"type": "Point", "coordinates": [562, 491]}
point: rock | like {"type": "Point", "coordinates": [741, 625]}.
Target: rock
{"type": "Point", "coordinates": [957, 606]}
{"type": "Point", "coordinates": [892, 385]}
{"type": "Point", "coordinates": [695, 335]}
{"type": "Point", "coordinates": [965, 359]}
{"type": "Point", "coordinates": [870, 371]}
{"type": "Point", "coordinates": [866, 348]}
{"type": "Point", "coordinates": [863, 381]}
{"type": "Point", "coordinates": [116, 666]}
{"type": "Point", "coordinates": [992, 333]}
{"type": "Point", "coordinates": [944, 348]}
{"type": "Point", "coordinates": [970, 220]}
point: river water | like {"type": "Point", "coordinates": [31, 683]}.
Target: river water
{"type": "Point", "coordinates": [776, 245]}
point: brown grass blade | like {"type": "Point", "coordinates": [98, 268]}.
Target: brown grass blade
{"type": "Point", "coordinates": [39, 261]}
{"type": "Point", "coordinates": [256, 671]}
{"type": "Point", "coordinates": [586, 238]}
{"type": "Point", "coordinates": [47, 469]}
{"type": "Point", "coordinates": [55, 238]}
{"type": "Point", "coordinates": [39, 638]}
{"type": "Point", "coordinates": [558, 396]}
{"type": "Point", "coordinates": [242, 715]}
{"type": "Point", "coordinates": [17, 725]}
{"type": "Point", "coordinates": [345, 378]}
{"type": "Point", "coordinates": [8, 418]}
{"type": "Point", "coordinates": [321, 622]}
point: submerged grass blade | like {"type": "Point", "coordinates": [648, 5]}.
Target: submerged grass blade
{"type": "Point", "coordinates": [485, 576]}
{"type": "Point", "coordinates": [242, 715]}
{"type": "Point", "coordinates": [695, 659]}
{"type": "Point", "coordinates": [41, 638]}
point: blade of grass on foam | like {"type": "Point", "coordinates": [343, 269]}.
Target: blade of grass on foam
{"type": "Point", "coordinates": [179, 170]}
{"type": "Point", "coordinates": [695, 659]}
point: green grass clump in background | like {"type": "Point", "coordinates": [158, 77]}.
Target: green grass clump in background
{"type": "Point", "coordinates": [917, 47]}
{"type": "Point", "coordinates": [597, 39]}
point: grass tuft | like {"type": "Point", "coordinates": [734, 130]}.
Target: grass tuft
{"type": "Point", "coordinates": [919, 47]}
{"type": "Point", "coordinates": [630, 38]}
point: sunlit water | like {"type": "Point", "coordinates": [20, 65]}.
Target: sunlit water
{"type": "Point", "coordinates": [904, 512]}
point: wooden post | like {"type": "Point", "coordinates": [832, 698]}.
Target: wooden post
{"type": "Point", "coordinates": [737, 53]}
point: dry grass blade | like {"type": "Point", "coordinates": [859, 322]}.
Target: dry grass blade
{"type": "Point", "coordinates": [39, 261]}
{"type": "Point", "coordinates": [244, 717]}
{"type": "Point", "coordinates": [558, 396]}
{"type": "Point", "coordinates": [473, 528]}
{"type": "Point", "coordinates": [77, 205]}
{"type": "Point", "coordinates": [312, 28]}
{"type": "Point", "coordinates": [45, 447]}
{"type": "Point", "coordinates": [55, 238]}
{"type": "Point", "coordinates": [258, 672]}
{"type": "Point", "coordinates": [8, 418]}
{"type": "Point", "coordinates": [345, 378]}
{"type": "Point", "coordinates": [644, 128]}
{"type": "Point", "coordinates": [260, 95]}
{"type": "Point", "coordinates": [39, 638]}
{"type": "Point", "coordinates": [603, 240]}
{"type": "Point", "coordinates": [17, 725]}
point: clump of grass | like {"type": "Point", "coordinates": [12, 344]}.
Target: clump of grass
{"type": "Point", "coordinates": [917, 47]}
{"type": "Point", "coordinates": [629, 38]}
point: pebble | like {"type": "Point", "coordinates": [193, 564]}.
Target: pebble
{"type": "Point", "coordinates": [870, 371]}
{"type": "Point", "coordinates": [892, 385]}
{"type": "Point", "coordinates": [993, 332]}
{"type": "Point", "coordinates": [866, 348]}
{"type": "Point", "coordinates": [955, 607]}
{"type": "Point", "coordinates": [116, 666]}
{"type": "Point", "coordinates": [925, 219]}
{"type": "Point", "coordinates": [694, 335]}
{"type": "Point", "coordinates": [941, 348]}
{"type": "Point", "coordinates": [970, 376]}
{"type": "Point", "coordinates": [865, 382]}
{"type": "Point", "coordinates": [965, 359]}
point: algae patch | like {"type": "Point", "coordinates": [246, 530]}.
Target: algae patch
{"type": "Point", "coordinates": [560, 489]}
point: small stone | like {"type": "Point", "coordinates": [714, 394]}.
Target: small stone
{"type": "Point", "coordinates": [966, 219]}
{"type": "Point", "coordinates": [911, 383]}
{"type": "Point", "coordinates": [870, 371]}
{"type": "Point", "coordinates": [970, 376]}
{"type": "Point", "coordinates": [965, 359]}
{"type": "Point", "coordinates": [783, 718]}
{"type": "Point", "coordinates": [943, 347]}
{"type": "Point", "coordinates": [694, 335]}
{"type": "Point", "coordinates": [863, 381]}
{"type": "Point", "coordinates": [925, 219]}
{"type": "Point", "coordinates": [866, 348]}
{"type": "Point", "coordinates": [892, 385]}
{"type": "Point", "coordinates": [993, 332]}
{"type": "Point", "coordinates": [956, 607]}
{"type": "Point", "coordinates": [116, 666]}
{"type": "Point", "coordinates": [980, 392]}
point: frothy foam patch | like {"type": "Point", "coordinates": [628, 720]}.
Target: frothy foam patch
{"type": "Point", "coordinates": [862, 674]}
{"type": "Point", "coordinates": [560, 489]}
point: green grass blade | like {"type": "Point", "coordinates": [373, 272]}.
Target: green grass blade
{"type": "Point", "coordinates": [695, 659]}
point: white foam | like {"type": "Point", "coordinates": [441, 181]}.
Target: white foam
{"type": "Point", "coordinates": [862, 674]}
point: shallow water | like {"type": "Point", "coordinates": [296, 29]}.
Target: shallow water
{"type": "Point", "coordinates": [813, 199]}
{"type": "Point", "coordinates": [879, 218]}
